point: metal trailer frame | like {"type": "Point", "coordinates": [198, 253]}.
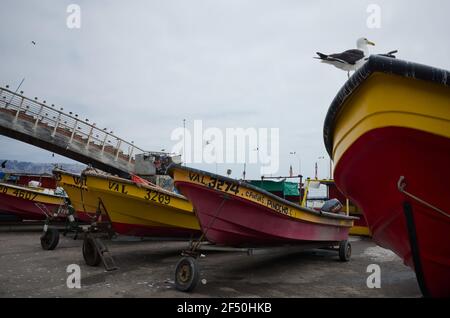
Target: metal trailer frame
{"type": "Point", "coordinates": [187, 272]}
{"type": "Point", "coordinates": [94, 250]}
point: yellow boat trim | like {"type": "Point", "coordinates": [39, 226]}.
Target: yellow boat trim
{"type": "Point", "coordinates": [386, 100]}
{"type": "Point", "coordinates": [30, 194]}
{"type": "Point", "coordinates": [241, 191]}
{"type": "Point", "coordinates": [360, 230]}
{"type": "Point", "coordinates": [139, 204]}
{"type": "Point", "coordinates": [75, 187]}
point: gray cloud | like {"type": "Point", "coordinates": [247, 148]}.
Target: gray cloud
{"type": "Point", "coordinates": [139, 68]}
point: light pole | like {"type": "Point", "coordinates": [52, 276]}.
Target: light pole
{"type": "Point", "coordinates": [184, 141]}
{"type": "Point", "coordinates": [318, 158]}
{"type": "Point", "coordinates": [299, 161]}
{"type": "Point", "coordinates": [331, 169]}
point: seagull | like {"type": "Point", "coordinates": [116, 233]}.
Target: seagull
{"type": "Point", "coordinates": [349, 60]}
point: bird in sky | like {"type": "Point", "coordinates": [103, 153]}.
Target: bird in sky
{"type": "Point", "coordinates": [349, 60]}
{"type": "Point", "coordinates": [33, 42]}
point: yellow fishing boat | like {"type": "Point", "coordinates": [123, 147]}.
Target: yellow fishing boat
{"type": "Point", "coordinates": [359, 227]}
{"type": "Point", "coordinates": [133, 208]}
{"type": "Point", "coordinates": [84, 203]}
{"type": "Point", "coordinates": [141, 209]}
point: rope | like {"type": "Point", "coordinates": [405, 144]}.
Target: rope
{"type": "Point", "coordinates": [401, 185]}
{"type": "Point", "coordinates": [82, 200]}
{"type": "Point", "coordinates": [197, 244]}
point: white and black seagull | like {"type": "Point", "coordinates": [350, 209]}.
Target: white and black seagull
{"type": "Point", "coordinates": [349, 60]}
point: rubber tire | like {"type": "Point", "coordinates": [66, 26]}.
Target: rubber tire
{"type": "Point", "coordinates": [345, 251]}
{"type": "Point", "coordinates": [90, 253]}
{"type": "Point", "coordinates": [50, 239]}
{"type": "Point", "coordinates": [186, 274]}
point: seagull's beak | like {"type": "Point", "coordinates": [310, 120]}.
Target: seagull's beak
{"type": "Point", "coordinates": [370, 43]}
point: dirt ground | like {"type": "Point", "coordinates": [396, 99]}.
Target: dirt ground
{"type": "Point", "coordinates": [146, 269]}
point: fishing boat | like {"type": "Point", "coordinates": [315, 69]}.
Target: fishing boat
{"type": "Point", "coordinates": [236, 213]}
{"type": "Point", "coordinates": [45, 180]}
{"type": "Point", "coordinates": [84, 204]}
{"type": "Point", "coordinates": [331, 192]}
{"type": "Point", "coordinates": [133, 208]}
{"type": "Point", "coordinates": [142, 209]}
{"type": "Point", "coordinates": [388, 133]}
{"type": "Point", "coordinates": [299, 192]}
{"type": "Point", "coordinates": [27, 203]}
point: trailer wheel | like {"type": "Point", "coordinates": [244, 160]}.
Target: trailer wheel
{"type": "Point", "coordinates": [186, 274]}
{"type": "Point", "coordinates": [90, 253]}
{"type": "Point", "coordinates": [345, 251]}
{"type": "Point", "coordinates": [50, 239]}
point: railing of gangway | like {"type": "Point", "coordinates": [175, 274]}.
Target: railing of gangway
{"type": "Point", "coordinates": [68, 124]}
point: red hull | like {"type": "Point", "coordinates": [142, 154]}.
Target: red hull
{"type": "Point", "coordinates": [241, 222]}
{"type": "Point", "coordinates": [151, 231]}
{"type": "Point", "coordinates": [46, 181]}
{"type": "Point", "coordinates": [141, 230]}
{"type": "Point", "coordinates": [361, 221]}
{"type": "Point", "coordinates": [368, 173]}
{"type": "Point", "coordinates": [85, 217]}
{"type": "Point", "coordinates": [22, 208]}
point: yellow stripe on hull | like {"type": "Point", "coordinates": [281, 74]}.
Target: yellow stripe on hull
{"type": "Point", "coordinates": [243, 192]}
{"type": "Point", "coordinates": [360, 230]}
{"type": "Point", "coordinates": [30, 194]}
{"type": "Point", "coordinates": [386, 100]}
{"type": "Point", "coordinates": [80, 197]}
{"type": "Point", "coordinates": [130, 203]}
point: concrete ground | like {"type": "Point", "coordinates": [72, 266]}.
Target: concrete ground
{"type": "Point", "coordinates": [146, 269]}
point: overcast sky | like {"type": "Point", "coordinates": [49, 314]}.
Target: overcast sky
{"type": "Point", "coordinates": [140, 67]}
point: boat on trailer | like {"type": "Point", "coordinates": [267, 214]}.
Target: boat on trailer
{"type": "Point", "coordinates": [117, 205]}
{"type": "Point", "coordinates": [84, 204]}
{"type": "Point", "coordinates": [388, 133]}
{"type": "Point", "coordinates": [29, 203]}
{"type": "Point", "coordinates": [142, 209]}
{"type": "Point", "coordinates": [324, 191]}
{"type": "Point", "coordinates": [359, 227]}
{"type": "Point", "coordinates": [237, 214]}
{"type": "Point", "coordinates": [133, 208]}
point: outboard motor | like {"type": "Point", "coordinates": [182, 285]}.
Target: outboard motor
{"type": "Point", "coordinates": [333, 206]}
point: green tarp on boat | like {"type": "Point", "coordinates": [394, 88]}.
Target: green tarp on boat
{"type": "Point", "coordinates": [285, 188]}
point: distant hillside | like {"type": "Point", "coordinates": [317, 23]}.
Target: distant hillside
{"type": "Point", "coordinates": [38, 168]}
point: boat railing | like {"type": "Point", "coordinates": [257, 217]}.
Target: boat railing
{"type": "Point", "coordinates": [69, 124]}
{"type": "Point", "coordinates": [309, 182]}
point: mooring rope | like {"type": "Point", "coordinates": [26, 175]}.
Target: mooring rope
{"type": "Point", "coordinates": [197, 244]}
{"type": "Point", "coordinates": [401, 185]}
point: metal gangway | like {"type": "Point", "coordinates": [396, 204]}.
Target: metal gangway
{"type": "Point", "coordinates": [50, 128]}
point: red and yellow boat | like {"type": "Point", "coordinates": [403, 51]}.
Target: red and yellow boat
{"type": "Point", "coordinates": [28, 203]}
{"type": "Point", "coordinates": [236, 213]}
{"type": "Point", "coordinates": [388, 133]}
{"type": "Point", "coordinates": [74, 185]}
{"type": "Point", "coordinates": [134, 209]}
{"type": "Point", "coordinates": [359, 227]}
